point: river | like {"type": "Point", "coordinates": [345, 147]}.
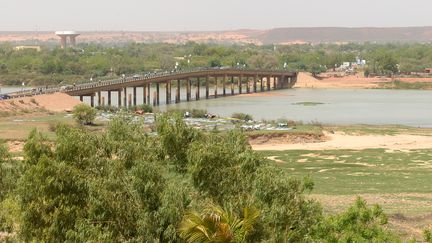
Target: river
{"type": "Point", "coordinates": [329, 106]}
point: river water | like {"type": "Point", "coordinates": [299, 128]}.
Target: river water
{"type": "Point", "coordinates": [336, 106]}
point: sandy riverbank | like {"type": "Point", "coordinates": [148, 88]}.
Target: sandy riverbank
{"type": "Point", "coordinates": [344, 141]}
{"type": "Point", "coordinates": [305, 80]}
{"type": "Point", "coordinates": [57, 102]}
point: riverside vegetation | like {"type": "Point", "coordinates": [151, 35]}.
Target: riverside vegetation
{"type": "Point", "coordinates": [52, 66]}
{"type": "Point", "coordinates": [183, 185]}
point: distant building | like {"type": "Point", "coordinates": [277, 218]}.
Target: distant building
{"type": "Point", "coordinates": [20, 48]}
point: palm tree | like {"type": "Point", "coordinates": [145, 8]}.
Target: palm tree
{"type": "Point", "coordinates": [217, 225]}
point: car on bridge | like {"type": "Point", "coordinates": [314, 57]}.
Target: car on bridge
{"type": "Point", "coordinates": [4, 97]}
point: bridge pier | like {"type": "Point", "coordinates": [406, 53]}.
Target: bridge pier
{"type": "Point", "coordinates": [125, 97]}
{"type": "Point", "coordinates": [177, 100]}
{"type": "Point", "coordinates": [268, 83]}
{"type": "Point", "coordinates": [261, 84]}
{"type": "Point", "coordinates": [134, 96]}
{"type": "Point", "coordinates": [99, 94]}
{"type": "Point", "coordinates": [247, 85]}
{"type": "Point", "coordinates": [232, 85]}
{"type": "Point", "coordinates": [109, 97]}
{"type": "Point", "coordinates": [255, 84]}
{"type": "Point", "coordinates": [216, 86]}
{"type": "Point", "coordinates": [157, 94]}
{"type": "Point", "coordinates": [81, 98]}
{"type": "Point", "coordinates": [224, 85]}
{"type": "Point", "coordinates": [92, 100]}
{"type": "Point", "coordinates": [119, 98]}
{"type": "Point", "coordinates": [168, 92]}
{"type": "Point", "coordinates": [188, 89]}
{"type": "Point", "coordinates": [240, 83]}
{"type": "Point", "coordinates": [148, 93]}
{"type": "Point", "coordinates": [144, 94]}
{"type": "Point", "coordinates": [207, 87]}
{"type": "Point", "coordinates": [130, 100]}
{"type": "Point", "coordinates": [197, 93]}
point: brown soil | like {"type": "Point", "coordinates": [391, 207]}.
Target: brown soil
{"type": "Point", "coordinates": [344, 141]}
{"type": "Point", "coordinates": [284, 138]}
{"type": "Point", "coordinates": [57, 102]}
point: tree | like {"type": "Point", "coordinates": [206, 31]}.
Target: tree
{"type": "Point", "coordinates": [175, 137]}
{"type": "Point", "coordinates": [84, 114]}
{"type": "Point", "coordinates": [358, 223]}
{"type": "Point", "coordinates": [216, 224]}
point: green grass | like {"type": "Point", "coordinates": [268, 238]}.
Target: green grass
{"type": "Point", "coordinates": [343, 172]}
{"type": "Point", "coordinates": [400, 181]}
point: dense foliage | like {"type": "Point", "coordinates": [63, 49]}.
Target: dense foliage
{"type": "Point", "coordinates": [183, 185]}
{"type": "Point", "coordinates": [91, 61]}
{"type": "Point", "coordinates": [84, 114]}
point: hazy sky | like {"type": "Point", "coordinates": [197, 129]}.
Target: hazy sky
{"type": "Point", "coordinates": [187, 15]}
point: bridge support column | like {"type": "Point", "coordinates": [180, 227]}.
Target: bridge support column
{"type": "Point", "coordinates": [197, 93]}
{"type": "Point", "coordinates": [255, 84]}
{"type": "Point", "coordinates": [240, 83]}
{"type": "Point", "coordinates": [119, 100]}
{"type": "Point", "coordinates": [268, 83]}
{"type": "Point", "coordinates": [130, 100]}
{"type": "Point", "coordinates": [232, 85]}
{"type": "Point", "coordinates": [216, 87]}
{"type": "Point", "coordinates": [144, 94]}
{"type": "Point", "coordinates": [157, 94]}
{"type": "Point", "coordinates": [261, 79]}
{"type": "Point", "coordinates": [92, 100]}
{"type": "Point", "coordinates": [168, 92]}
{"type": "Point", "coordinates": [134, 96]}
{"type": "Point", "coordinates": [224, 85]}
{"type": "Point", "coordinates": [109, 98]}
{"type": "Point", "coordinates": [207, 86]}
{"type": "Point", "coordinates": [81, 98]}
{"type": "Point", "coordinates": [178, 92]}
{"type": "Point", "coordinates": [99, 94]}
{"type": "Point", "coordinates": [125, 97]}
{"type": "Point", "coordinates": [188, 89]}
{"type": "Point", "coordinates": [148, 93]}
{"type": "Point", "coordinates": [247, 85]}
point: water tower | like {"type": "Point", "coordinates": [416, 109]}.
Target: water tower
{"type": "Point", "coordinates": [64, 35]}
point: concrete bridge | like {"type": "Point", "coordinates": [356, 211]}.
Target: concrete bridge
{"type": "Point", "coordinates": [221, 82]}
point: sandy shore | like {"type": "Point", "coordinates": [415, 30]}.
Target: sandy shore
{"type": "Point", "coordinates": [344, 141]}
{"type": "Point", "coordinates": [305, 80]}
{"type": "Point", "coordinates": [57, 102]}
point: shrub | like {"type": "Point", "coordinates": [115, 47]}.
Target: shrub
{"type": "Point", "coordinates": [84, 114]}
{"type": "Point", "coordinates": [242, 116]}
{"type": "Point", "coordinates": [144, 107]}
{"type": "Point", "coordinates": [198, 113]}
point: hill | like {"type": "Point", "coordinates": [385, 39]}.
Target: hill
{"type": "Point", "coordinates": [271, 36]}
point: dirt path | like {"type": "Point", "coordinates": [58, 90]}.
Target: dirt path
{"type": "Point", "coordinates": [343, 141]}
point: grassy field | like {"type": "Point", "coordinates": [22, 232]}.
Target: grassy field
{"type": "Point", "coordinates": [17, 128]}
{"type": "Point", "coordinates": [402, 175]}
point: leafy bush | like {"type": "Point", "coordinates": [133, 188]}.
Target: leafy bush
{"type": "Point", "coordinates": [84, 114]}
{"type": "Point", "coordinates": [242, 116]}
{"type": "Point", "coordinates": [143, 107]}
